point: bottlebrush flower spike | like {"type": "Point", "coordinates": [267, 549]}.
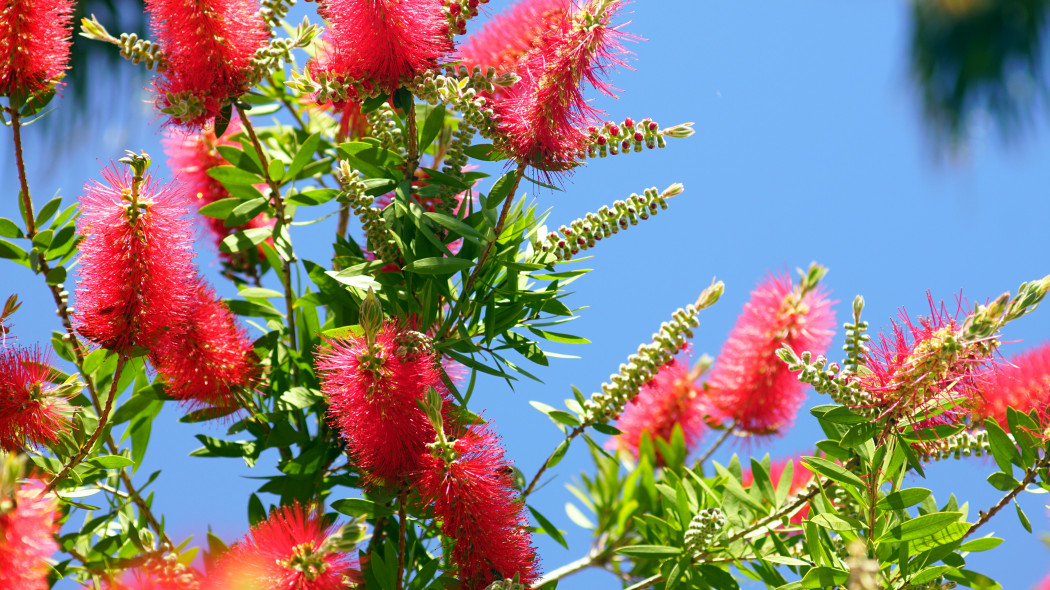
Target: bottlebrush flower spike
{"type": "Point", "coordinates": [373, 384]}
{"type": "Point", "coordinates": [541, 120]}
{"type": "Point", "coordinates": [926, 370]}
{"type": "Point", "coordinates": [671, 398]}
{"type": "Point", "coordinates": [32, 408]}
{"type": "Point", "coordinates": [750, 385]}
{"type": "Point", "coordinates": [159, 573]}
{"type": "Point", "coordinates": [379, 43]}
{"type": "Point", "coordinates": [505, 39]}
{"type": "Point", "coordinates": [27, 536]}
{"type": "Point", "coordinates": [287, 551]}
{"type": "Point", "coordinates": [137, 275]}
{"type": "Point", "coordinates": [209, 46]}
{"type": "Point", "coordinates": [209, 359]}
{"type": "Point", "coordinates": [35, 36]}
{"type": "Point", "coordinates": [1023, 383]}
{"type": "Point", "coordinates": [471, 492]}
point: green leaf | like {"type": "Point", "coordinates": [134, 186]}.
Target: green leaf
{"type": "Point", "coordinates": [559, 337]}
{"type": "Point", "coordinates": [484, 152]}
{"type": "Point", "coordinates": [11, 251]}
{"type": "Point", "coordinates": [56, 276]}
{"type": "Point", "coordinates": [246, 211]}
{"type": "Point", "coordinates": [238, 158]}
{"type": "Point", "coordinates": [1004, 451]}
{"type": "Point", "coordinates": [844, 415]}
{"type": "Point", "coordinates": [260, 292]}
{"type": "Point", "coordinates": [606, 429]}
{"type": "Point", "coordinates": [214, 447]}
{"type": "Point", "coordinates": [452, 224]}
{"type": "Point", "coordinates": [110, 462]}
{"type": "Point", "coordinates": [361, 507]}
{"type": "Point", "coordinates": [903, 499]}
{"type": "Point", "coordinates": [564, 417]}
{"type": "Point", "coordinates": [578, 517]}
{"type": "Point", "coordinates": [558, 454]}
{"type": "Point", "coordinates": [303, 156]}
{"type": "Point", "coordinates": [500, 190]}
{"type": "Point", "coordinates": [928, 575]}
{"type": "Point", "coordinates": [244, 240]}
{"type": "Point", "coordinates": [833, 522]}
{"type": "Point", "coordinates": [432, 127]}
{"type": "Point", "coordinates": [9, 229]}
{"type": "Point", "coordinates": [256, 511]}
{"type": "Point", "coordinates": [919, 527]}
{"type": "Point", "coordinates": [437, 266]}
{"type": "Point", "coordinates": [47, 211]}
{"type": "Point", "coordinates": [784, 560]}
{"type": "Point", "coordinates": [833, 471]}
{"type": "Point", "coordinates": [301, 397]}
{"type": "Point", "coordinates": [233, 175]}
{"type": "Point", "coordinates": [1023, 517]}
{"type": "Point", "coordinates": [1002, 481]}
{"type": "Point", "coordinates": [948, 535]}
{"type": "Point", "coordinates": [220, 209]}
{"type": "Point", "coordinates": [649, 551]}
{"type": "Point", "coordinates": [982, 544]}
{"type": "Point", "coordinates": [822, 577]}
{"type": "Point", "coordinates": [549, 527]}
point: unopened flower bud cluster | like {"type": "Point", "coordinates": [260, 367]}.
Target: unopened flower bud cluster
{"type": "Point", "coordinates": [582, 234]}
{"type": "Point", "coordinates": [167, 572]}
{"type": "Point", "coordinates": [957, 446]}
{"type": "Point", "coordinates": [142, 51]}
{"type": "Point", "coordinates": [704, 529]}
{"type": "Point", "coordinates": [455, 156]}
{"type": "Point", "coordinates": [613, 138]}
{"type": "Point", "coordinates": [855, 347]}
{"type": "Point", "coordinates": [183, 106]}
{"type": "Point", "coordinates": [270, 56]}
{"type": "Point", "coordinates": [376, 231]}
{"type": "Point", "coordinates": [830, 380]}
{"type": "Point", "coordinates": [459, 89]}
{"type": "Point", "coordinates": [645, 364]}
{"type": "Point", "coordinates": [273, 11]}
{"type": "Point", "coordinates": [458, 12]}
{"type": "Point", "coordinates": [383, 126]}
{"type": "Point", "coordinates": [507, 584]}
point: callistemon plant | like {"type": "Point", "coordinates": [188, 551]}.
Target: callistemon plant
{"type": "Point", "coordinates": [365, 384]}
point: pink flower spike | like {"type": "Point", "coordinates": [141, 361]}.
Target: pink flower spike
{"type": "Point", "coordinates": [382, 42]}
{"type": "Point", "coordinates": [373, 395]}
{"type": "Point", "coordinates": [671, 398]}
{"type": "Point", "coordinates": [475, 500]}
{"type": "Point", "coordinates": [1022, 383]}
{"type": "Point", "coordinates": [505, 39]}
{"type": "Point", "coordinates": [27, 538]}
{"type": "Point", "coordinates": [541, 120]}
{"type": "Point", "coordinates": [32, 409]}
{"type": "Point", "coordinates": [209, 359]}
{"type": "Point", "coordinates": [287, 551]}
{"type": "Point", "coordinates": [750, 385]}
{"type": "Point", "coordinates": [209, 46]}
{"type": "Point", "coordinates": [137, 275]}
{"type": "Point", "coordinates": [35, 37]}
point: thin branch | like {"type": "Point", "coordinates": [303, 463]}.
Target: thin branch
{"type": "Point", "coordinates": [413, 142]}
{"type": "Point", "coordinates": [27, 202]}
{"type": "Point", "coordinates": [535, 478]}
{"type": "Point", "coordinates": [594, 558]}
{"type": "Point", "coordinates": [1030, 476]}
{"type": "Point", "coordinates": [102, 419]}
{"type": "Point", "coordinates": [402, 518]}
{"type": "Point", "coordinates": [714, 447]}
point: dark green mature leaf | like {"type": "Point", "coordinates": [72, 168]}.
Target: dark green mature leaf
{"type": "Point", "coordinates": [10, 229]}
{"type": "Point", "coordinates": [548, 527]}
{"type": "Point", "coordinates": [220, 209]}
{"type": "Point", "coordinates": [1023, 517]}
{"type": "Point", "coordinates": [303, 156]}
{"type": "Point", "coordinates": [438, 266]}
{"type": "Point", "coordinates": [256, 511]}
{"type": "Point", "coordinates": [233, 175]}
{"type": "Point", "coordinates": [485, 152]}
{"type": "Point", "coordinates": [559, 337]}
{"type": "Point", "coordinates": [313, 197]}
{"type": "Point", "coordinates": [919, 527]}
{"type": "Point", "coordinates": [110, 462]}
{"type": "Point", "coordinates": [1002, 481]}
{"type": "Point", "coordinates": [238, 158]}
{"type": "Point", "coordinates": [214, 447]}
{"type": "Point", "coordinates": [500, 190]}
{"type": "Point", "coordinates": [361, 507]}
{"type": "Point", "coordinates": [454, 225]}
{"type": "Point", "coordinates": [558, 454]}
{"type": "Point", "coordinates": [11, 251]}
{"type": "Point", "coordinates": [1004, 451]}
{"type": "Point", "coordinates": [432, 127]}
{"type": "Point", "coordinates": [245, 211]}
{"type": "Point", "coordinates": [649, 551]}
{"type": "Point", "coordinates": [47, 211]}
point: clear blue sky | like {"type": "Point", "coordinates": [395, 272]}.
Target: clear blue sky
{"type": "Point", "coordinates": [809, 146]}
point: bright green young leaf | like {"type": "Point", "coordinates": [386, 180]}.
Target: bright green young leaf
{"type": "Point", "coordinates": [922, 526]}
{"type": "Point", "coordinates": [649, 551]}
{"type": "Point", "coordinates": [833, 471]}
{"type": "Point", "coordinates": [438, 266]}
{"type": "Point", "coordinates": [824, 577]}
{"type": "Point", "coordinates": [233, 175]}
{"type": "Point", "coordinates": [903, 499]}
{"type": "Point", "coordinates": [242, 240]}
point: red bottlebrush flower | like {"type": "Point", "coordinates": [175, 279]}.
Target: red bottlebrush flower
{"type": "Point", "coordinates": [504, 40]}
{"type": "Point", "coordinates": [671, 398]}
{"type": "Point", "coordinates": [158, 574]}
{"type": "Point", "coordinates": [801, 476]}
{"type": "Point", "coordinates": [35, 36]}
{"type": "Point", "coordinates": [32, 410]}
{"type": "Point", "coordinates": [1023, 384]}
{"type": "Point", "coordinates": [209, 46]}
{"type": "Point", "coordinates": [208, 359]}
{"type": "Point", "coordinates": [542, 116]}
{"type": "Point", "coordinates": [750, 385]}
{"type": "Point", "coordinates": [380, 43]}
{"type": "Point", "coordinates": [1044, 584]}
{"type": "Point", "coordinates": [475, 500]}
{"type": "Point", "coordinates": [137, 275]}
{"type": "Point", "coordinates": [287, 551]}
{"type": "Point", "coordinates": [373, 394]}
{"type": "Point", "coordinates": [926, 370]}
{"type": "Point", "coordinates": [27, 537]}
